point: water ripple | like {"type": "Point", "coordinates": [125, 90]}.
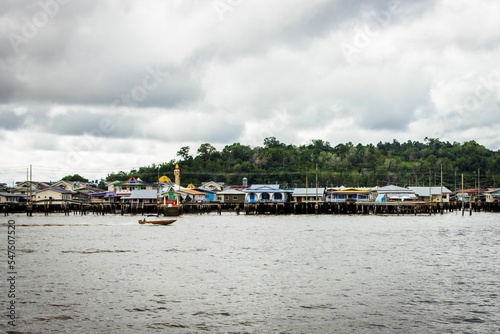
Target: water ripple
{"type": "Point", "coordinates": [250, 274]}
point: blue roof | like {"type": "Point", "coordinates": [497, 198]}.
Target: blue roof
{"type": "Point", "coordinates": [6, 194]}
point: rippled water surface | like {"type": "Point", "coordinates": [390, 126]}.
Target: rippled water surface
{"type": "Point", "coordinates": [256, 274]}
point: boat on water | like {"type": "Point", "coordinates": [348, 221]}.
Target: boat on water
{"type": "Point", "coordinates": [155, 220]}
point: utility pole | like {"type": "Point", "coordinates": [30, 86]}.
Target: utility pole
{"type": "Point", "coordinates": [430, 194]}
{"type": "Point", "coordinates": [30, 192]}
{"type": "Point", "coordinates": [455, 178]}
{"type": "Point", "coordinates": [28, 198]}
{"type": "Point", "coordinates": [316, 205]}
{"type": "Point", "coordinates": [478, 182]}
{"type": "Point", "coordinates": [316, 182]}
{"type": "Point", "coordinates": [478, 203]}
{"type": "Point", "coordinates": [470, 197]}
{"type": "Point", "coordinates": [441, 188]}
{"type": "Point", "coordinates": [307, 195]}
{"type": "Point", "coordinates": [463, 204]}
{"type": "Point", "coordinates": [158, 188]}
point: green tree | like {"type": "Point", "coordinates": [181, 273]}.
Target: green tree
{"type": "Point", "coordinates": [102, 185]}
{"type": "Point", "coordinates": [206, 150]}
{"type": "Point", "coordinates": [75, 178]}
{"type": "Point", "coordinates": [184, 153]}
{"type": "Point", "coordinates": [402, 163]}
{"type": "Point", "coordinates": [272, 142]}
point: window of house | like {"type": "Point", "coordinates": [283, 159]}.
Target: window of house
{"type": "Point", "coordinates": [235, 198]}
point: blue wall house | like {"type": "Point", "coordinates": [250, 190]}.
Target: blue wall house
{"type": "Point", "coordinates": [210, 196]}
{"type": "Point", "coordinates": [343, 194]}
{"type": "Point", "coordinates": [267, 193]}
{"type": "Point", "coordinates": [192, 195]}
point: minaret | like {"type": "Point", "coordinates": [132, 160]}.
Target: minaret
{"type": "Point", "coordinates": [177, 174]}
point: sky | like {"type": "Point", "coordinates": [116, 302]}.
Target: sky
{"type": "Point", "coordinates": [99, 86]}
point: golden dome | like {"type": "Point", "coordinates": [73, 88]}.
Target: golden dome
{"type": "Point", "coordinates": [164, 179]}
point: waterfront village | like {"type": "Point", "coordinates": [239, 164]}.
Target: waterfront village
{"type": "Point", "coordinates": [134, 196]}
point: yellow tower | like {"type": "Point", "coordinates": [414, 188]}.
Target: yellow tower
{"type": "Point", "coordinates": [177, 174]}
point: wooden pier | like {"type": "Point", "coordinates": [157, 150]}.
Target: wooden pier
{"type": "Point", "coordinates": [349, 208]}
{"type": "Point", "coordinates": [262, 208]}
{"type": "Point", "coordinates": [365, 208]}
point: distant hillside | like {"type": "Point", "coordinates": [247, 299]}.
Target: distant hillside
{"type": "Point", "coordinates": [408, 163]}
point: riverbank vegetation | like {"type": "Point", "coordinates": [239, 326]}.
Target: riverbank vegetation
{"type": "Point", "coordinates": [408, 163]}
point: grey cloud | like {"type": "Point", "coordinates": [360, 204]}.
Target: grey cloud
{"type": "Point", "coordinates": [65, 65]}
{"type": "Point", "coordinates": [9, 120]}
{"type": "Point", "coordinates": [177, 86]}
{"type": "Point", "coordinates": [330, 15]}
{"type": "Point", "coordinates": [112, 124]}
{"type": "Point", "coordinates": [79, 122]}
{"type": "Point", "coordinates": [202, 126]}
{"type": "Point", "coordinates": [180, 86]}
{"type": "Point", "coordinates": [93, 54]}
{"type": "Point", "coordinates": [43, 142]}
{"type": "Point", "coordinates": [7, 82]}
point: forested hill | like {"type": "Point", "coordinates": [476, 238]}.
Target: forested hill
{"type": "Point", "coordinates": [409, 163]}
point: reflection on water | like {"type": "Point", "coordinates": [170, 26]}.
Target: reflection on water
{"type": "Point", "coordinates": [254, 274]}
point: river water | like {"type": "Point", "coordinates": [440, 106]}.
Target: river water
{"type": "Point", "coordinates": [255, 274]}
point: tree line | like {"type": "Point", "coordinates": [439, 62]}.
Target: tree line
{"type": "Point", "coordinates": [409, 163]}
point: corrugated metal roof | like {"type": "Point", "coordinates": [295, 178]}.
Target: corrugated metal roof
{"type": "Point", "coordinates": [424, 191]}
{"type": "Point", "coordinates": [264, 186]}
{"type": "Point", "coordinates": [310, 191]}
{"type": "Point", "coordinates": [231, 192]}
{"type": "Point", "coordinates": [192, 192]}
{"type": "Point", "coordinates": [142, 194]}
{"type": "Point", "coordinates": [393, 189]}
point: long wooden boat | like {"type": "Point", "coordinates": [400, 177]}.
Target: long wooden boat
{"type": "Point", "coordinates": [155, 220]}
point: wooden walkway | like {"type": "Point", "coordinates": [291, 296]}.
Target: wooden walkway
{"type": "Point", "coordinates": [364, 208]}
{"type": "Point", "coordinates": [288, 208]}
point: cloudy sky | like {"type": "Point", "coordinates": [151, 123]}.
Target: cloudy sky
{"type": "Point", "coordinates": [96, 86]}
